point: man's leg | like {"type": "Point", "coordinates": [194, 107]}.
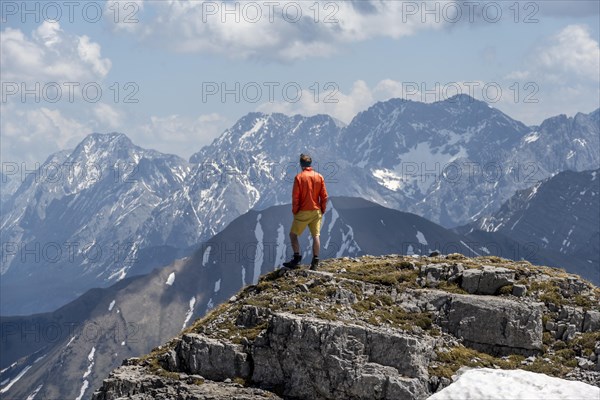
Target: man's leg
{"type": "Point", "coordinates": [295, 243]}
{"type": "Point", "coordinates": [293, 263]}
{"type": "Point", "coordinates": [315, 230]}
{"type": "Point", "coordinates": [316, 245]}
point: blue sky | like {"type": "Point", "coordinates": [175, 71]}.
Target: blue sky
{"type": "Point", "coordinates": [374, 50]}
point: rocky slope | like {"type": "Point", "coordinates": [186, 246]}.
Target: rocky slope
{"type": "Point", "coordinates": [384, 327]}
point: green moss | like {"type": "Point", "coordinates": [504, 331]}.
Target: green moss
{"type": "Point", "coordinates": [451, 287]}
{"type": "Point", "coordinates": [549, 292]}
{"type": "Point", "coordinates": [381, 273]}
{"type": "Point", "coordinates": [240, 381]}
{"type": "Point", "coordinates": [248, 333]}
{"type": "Point", "coordinates": [586, 341]}
{"type": "Point", "coordinates": [547, 338]}
{"type": "Point", "coordinates": [448, 362]}
{"type": "Point", "coordinates": [583, 301]}
{"type": "Point", "coordinates": [506, 290]}
{"type": "Point", "coordinates": [380, 310]}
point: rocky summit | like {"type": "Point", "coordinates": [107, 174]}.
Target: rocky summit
{"type": "Point", "coordinates": [386, 327]}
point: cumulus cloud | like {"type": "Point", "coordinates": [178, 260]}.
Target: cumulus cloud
{"type": "Point", "coordinates": [286, 31]}
{"type": "Point", "coordinates": [573, 50]}
{"type": "Point", "coordinates": [290, 29]}
{"type": "Point", "coordinates": [50, 54]}
{"type": "Point", "coordinates": [570, 54]}
{"type": "Point", "coordinates": [563, 74]}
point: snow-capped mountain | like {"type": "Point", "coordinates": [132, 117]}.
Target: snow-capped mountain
{"type": "Point", "coordinates": [8, 185]}
{"type": "Point", "coordinates": [560, 214]}
{"type": "Point", "coordinates": [454, 160]}
{"type": "Point", "coordinates": [71, 225]}
{"type": "Point", "coordinates": [451, 162]}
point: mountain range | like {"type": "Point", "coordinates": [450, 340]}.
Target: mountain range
{"type": "Point", "coordinates": [100, 328]}
{"type": "Point", "coordinates": [118, 210]}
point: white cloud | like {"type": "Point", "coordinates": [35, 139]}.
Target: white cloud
{"type": "Point", "coordinates": [563, 73]}
{"type": "Point", "coordinates": [257, 30]}
{"type": "Point", "coordinates": [31, 135]}
{"type": "Point", "coordinates": [361, 96]}
{"type": "Point", "coordinates": [50, 54]}
{"type": "Point", "coordinates": [571, 54]}
{"type": "Point", "coordinates": [178, 134]}
{"type": "Point", "coordinates": [107, 117]}
{"type": "Point", "coordinates": [573, 51]}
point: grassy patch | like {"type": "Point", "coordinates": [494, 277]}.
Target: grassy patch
{"type": "Point", "coordinates": [448, 362]}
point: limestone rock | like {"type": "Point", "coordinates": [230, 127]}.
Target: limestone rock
{"type": "Point", "coordinates": [496, 325]}
{"type": "Point", "coordinates": [487, 280]}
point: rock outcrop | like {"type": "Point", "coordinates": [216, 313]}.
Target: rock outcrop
{"type": "Point", "coordinates": [389, 327]}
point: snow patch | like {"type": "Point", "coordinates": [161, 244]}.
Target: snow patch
{"type": "Point", "coordinates": [421, 238]}
{"type": "Point", "coordinates": [532, 137]}
{"type": "Point", "coordinates": [348, 243]}
{"type": "Point", "coordinates": [388, 179]}
{"type": "Point", "coordinates": [280, 256]}
{"type": "Point", "coordinates": [34, 393]}
{"type": "Point", "coordinates": [205, 256]}
{"type": "Point", "coordinates": [82, 390]}
{"type": "Point", "coordinates": [188, 316]}
{"type": "Point", "coordinates": [15, 380]}
{"type": "Point", "coordinates": [170, 279]}
{"type": "Point", "coordinates": [91, 361]}
{"type": "Point", "coordinates": [9, 367]}
{"type": "Point", "coordinates": [498, 384]}
{"type": "Point", "coordinates": [334, 217]}
{"type": "Point", "coordinates": [258, 257]}
{"type": "Point", "coordinates": [111, 305]}
{"type": "Point", "coordinates": [474, 252]}
{"type": "Point", "coordinates": [210, 305]}
{"type": "Point", "coordinates": [120, 274]}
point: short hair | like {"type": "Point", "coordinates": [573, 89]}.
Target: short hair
{"type": "Point", "coordinates": [305, 160]}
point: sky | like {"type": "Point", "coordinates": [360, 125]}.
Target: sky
{"type": "Point", "coordinates": [174, 74]}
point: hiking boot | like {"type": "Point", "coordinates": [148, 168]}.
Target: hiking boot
{"type": "Point", "coordinates": [314, 264]}
{"type": "Point", "coordinates": [294, 262]}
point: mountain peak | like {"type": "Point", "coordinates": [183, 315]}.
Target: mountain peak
{"type": "Point", "coordinates": [111, 137]}
{"type": "Point", "coordinates": [461, 99]}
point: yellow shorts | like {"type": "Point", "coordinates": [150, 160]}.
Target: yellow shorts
{"type": "Point", "coordinates": [310, 218]}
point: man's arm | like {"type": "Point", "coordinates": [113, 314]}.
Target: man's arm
{"type": "Point", "coordinates": [323, 195]}
{"type": "Point", "coordinates": [296, 196]}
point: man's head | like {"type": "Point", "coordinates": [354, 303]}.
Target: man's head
{"type": "Point", "coordinates": [305, 160]}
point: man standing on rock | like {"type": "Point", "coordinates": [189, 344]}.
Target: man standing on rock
{"type": "Point", "coordinates": [309, 200]}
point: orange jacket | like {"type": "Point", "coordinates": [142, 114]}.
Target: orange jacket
{"type": "Point", "coordinates": [309, 192]}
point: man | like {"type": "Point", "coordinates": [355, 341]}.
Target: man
{"type": "Point", "coordinates": [309, 200]}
